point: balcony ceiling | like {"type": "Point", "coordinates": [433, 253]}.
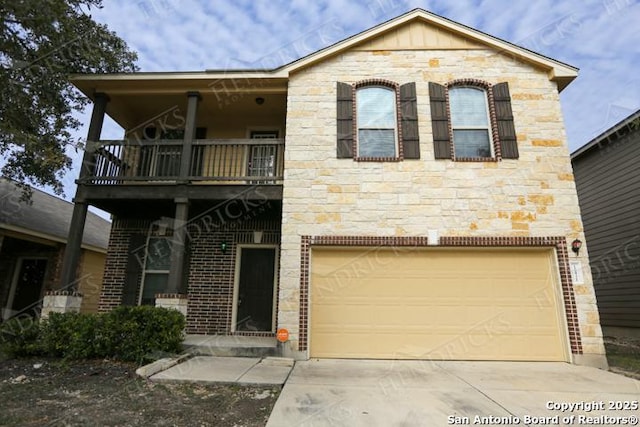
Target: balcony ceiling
{"type": "Point", "coordinates": [136, 103]}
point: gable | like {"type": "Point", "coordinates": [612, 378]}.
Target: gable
{"type": "Point", "coordinates": [423, 30]}
{"type": "Point", "coordinates": [418, 35]}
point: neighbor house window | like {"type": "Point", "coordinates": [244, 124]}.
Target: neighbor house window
{"type": "Point", "coordinates": [377, 121]}
{"type": "Point", "coordinates": [470, 122]}
{"type": "Point", "coordinates": [156, 269]}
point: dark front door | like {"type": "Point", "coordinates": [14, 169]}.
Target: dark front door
{"type": "Point", "coordinates": [29, 283]}
{"type": "Point", "coordinates": [255, 289]}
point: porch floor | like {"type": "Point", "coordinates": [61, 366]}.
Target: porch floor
{"type": "Point", "coordinates": [230, 345]}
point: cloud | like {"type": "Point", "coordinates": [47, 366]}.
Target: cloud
{"type": "Point", "coordinates": [598, 36]}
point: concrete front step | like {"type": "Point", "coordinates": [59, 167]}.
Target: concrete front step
{"type": "Point", "coordinates": [225, 345]}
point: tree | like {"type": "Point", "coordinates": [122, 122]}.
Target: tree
{"type": "Point", "coordinates": [42, 43]}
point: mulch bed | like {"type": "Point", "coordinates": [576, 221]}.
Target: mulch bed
{"type": "Point", "coordinates": [37, 392]}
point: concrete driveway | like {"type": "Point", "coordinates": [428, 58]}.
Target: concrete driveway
{"type": "Point", "coordinates": [423, 393]}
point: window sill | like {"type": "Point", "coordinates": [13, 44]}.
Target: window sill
{"type": "Point", "coordinates": [378, 159]}
{"type": "Point", "coordinates": [475, 159]}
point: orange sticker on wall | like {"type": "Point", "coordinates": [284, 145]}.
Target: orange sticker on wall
{"type": "Point", "coordinates": [282, 335]}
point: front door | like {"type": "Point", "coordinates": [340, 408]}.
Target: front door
{"type": "Point", "coordinates": [255, 289]}
{"type": "Point", "coordinates": [27, 286]}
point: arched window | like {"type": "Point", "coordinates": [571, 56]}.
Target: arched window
{"type": "Point", "coordinates": [470, 122]}
{"type": "Point", "coordinates": [376, 119]}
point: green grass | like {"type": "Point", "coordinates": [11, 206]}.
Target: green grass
{"type": "Point", "coordinates": [628, 363]}
{"type": "Point", "coordinates": [624, 355]}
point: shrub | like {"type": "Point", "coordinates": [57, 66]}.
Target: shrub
{"type": "Point", "coordinates": [126, 333]}
{"type": "Point", "coordinates": [134, 333]}
{"type": "Point", "coordinates": [19, 337]}
{"type": "Point", "coordinates": [73, 335]}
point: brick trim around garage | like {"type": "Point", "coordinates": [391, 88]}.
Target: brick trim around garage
{"type": "Point", "coordinates": [559, 243]}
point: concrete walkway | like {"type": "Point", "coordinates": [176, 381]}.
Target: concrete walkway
{"type": "Point", "coordinates": [241, 370]}
{"type": "Point", "coordinates": [421, 393]}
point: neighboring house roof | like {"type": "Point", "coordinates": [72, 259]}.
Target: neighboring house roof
{"type": "Point", "coordinates": [47, 217]}
{"type": "Point", "coordinates": [613, 133]}
{"type": "Point", "coordinates": [558, 71]}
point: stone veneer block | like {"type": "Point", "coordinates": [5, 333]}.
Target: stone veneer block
{"type": "Point", "coordinates": [60, 302]}
{"type": "Point", "coordinates": [173, 301]}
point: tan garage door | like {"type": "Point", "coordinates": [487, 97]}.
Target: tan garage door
{"type": "Point", "coordinates": [458, 304]}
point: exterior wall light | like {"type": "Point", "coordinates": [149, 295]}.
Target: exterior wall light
{"type": "Point", "coordinates": [576, 245]}
{"type": "Point", "coordinates": [223, 247]}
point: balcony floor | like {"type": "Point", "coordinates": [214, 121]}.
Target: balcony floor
{"type": "Point", "coordinates": [141, 200]}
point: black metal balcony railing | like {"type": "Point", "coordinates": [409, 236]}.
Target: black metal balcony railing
{"type": "Point", "coordinates": [222, 161]}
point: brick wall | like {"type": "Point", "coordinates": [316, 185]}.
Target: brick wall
{"type": "Point", "coordinates": [211, 273]}
{"type": "Point", "coordinates": [116, 261]}
{"type": "Point", "coordinates": [211, 276]}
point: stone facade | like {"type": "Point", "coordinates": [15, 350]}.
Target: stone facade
{"type": "Point", "coordinates": [533, 196]}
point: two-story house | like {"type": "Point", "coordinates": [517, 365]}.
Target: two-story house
{"type": "Point", "coordinates": [405, 193]}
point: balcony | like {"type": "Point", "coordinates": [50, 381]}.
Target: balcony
{"type": "Point", "coordinates": [212, 161]}
{"type": "Point", "coordinates": [128, 173]}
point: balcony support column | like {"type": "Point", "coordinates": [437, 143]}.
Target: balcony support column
{"type": "Point", "coordinates": [93, 134]}
{"type": "Point", "coordinates": [189, 134]}
{"type": "Point", "coordinates": [76, 228]}
{"type": "Point", "coordinates": [178, 246]}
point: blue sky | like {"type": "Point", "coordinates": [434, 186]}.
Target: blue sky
{"type": "Point", "coordinates": [601, 37]}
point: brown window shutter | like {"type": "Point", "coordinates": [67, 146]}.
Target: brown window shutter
{"type": "Point", "coordinates": [440, 121]}
{"type": "Point", "coordinates": [504, 119]}
{"type": "Point", "coordinates": [345, 121]}
{"type": "Point", "coordinates": [409, 119]}
{"type": "Point", "coordinates": [135, 260]}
